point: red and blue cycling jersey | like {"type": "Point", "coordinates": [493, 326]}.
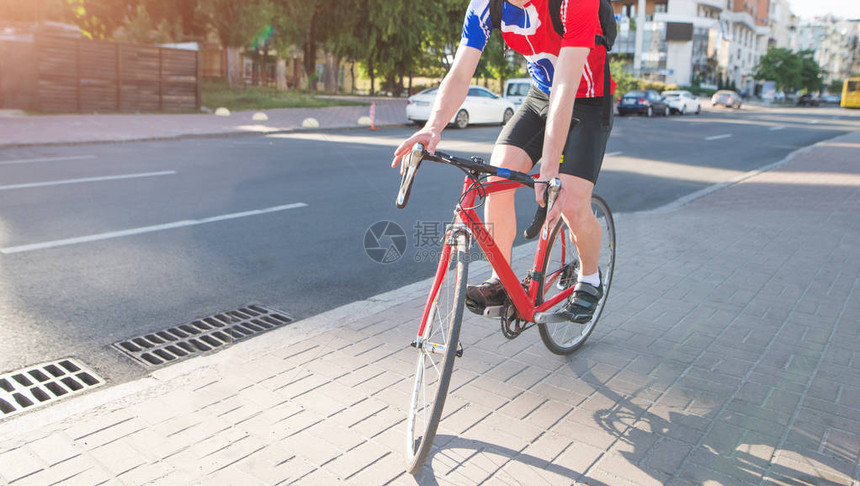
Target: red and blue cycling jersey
{"type": "Point", "coordinates": [529, 31]}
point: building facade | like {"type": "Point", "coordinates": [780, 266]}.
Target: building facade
{"type": "Point", "coordinates": [782, 24]}
{"type": "Point", "coordinates": [835, 44]}
{"type": "Point", "coordinates": [707, 42]}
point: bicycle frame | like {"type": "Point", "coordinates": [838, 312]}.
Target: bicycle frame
{"type": "Point", "coordinates": [523, 301]}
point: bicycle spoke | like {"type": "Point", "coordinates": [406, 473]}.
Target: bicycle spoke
{"type": "Point", "coordinates": [561, 269]}
{"type": "Point", "coordinates": [437, 350]}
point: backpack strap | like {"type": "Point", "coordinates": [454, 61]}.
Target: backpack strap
{"type": "Point", "coordinates": [496, 13]}
{"type": "Point", "coordinates": [555, 15]}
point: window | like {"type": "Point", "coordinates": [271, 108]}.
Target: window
{"type": "Point", "coordinates": [481, 93]}
{"type": "Point", "coordinates": [660, 7]}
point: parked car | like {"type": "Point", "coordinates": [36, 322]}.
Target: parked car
{"type": "Point", "coordinates": [643, 103]}
{"type": "Point", "coordinates": [481, 106]}
{"type": "Point", "coordinates": [682, 102]}
{"type": "Point", "coordinates": [831, 98]}
{"type": "Point", "coordinates": [517, 89]}
{"type": "Point", "coordinates": [727, 98]}
{"type": "Point", "coordinates": [807, 100]}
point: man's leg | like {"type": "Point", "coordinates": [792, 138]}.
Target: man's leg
{"type": "Point", "coordinates": [586, 234]}
{"type": "Point", "coordinates": [499, 210]}
{"type": "Point", "coordinates": [585, 229]}
{"type": "Point", "coordinates": [501, 220]}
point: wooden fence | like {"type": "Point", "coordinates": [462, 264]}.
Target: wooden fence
{"type": "Point", "coordinates": [78, 75]}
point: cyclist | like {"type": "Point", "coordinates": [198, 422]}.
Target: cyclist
{"type": "Point", "coordinates": [564, 122]}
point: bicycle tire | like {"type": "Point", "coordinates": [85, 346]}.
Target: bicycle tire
{"type": "Point", "coordinates": [566, 337]}
{"type": "Point", "coordinates": [444, 319]}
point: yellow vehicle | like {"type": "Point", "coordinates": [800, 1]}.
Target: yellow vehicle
{"type": "Point", "coordinates": [851, 93]}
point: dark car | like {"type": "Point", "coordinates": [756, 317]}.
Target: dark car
{"type": "Point", "coordinates": [807, 100]}
{"type": "Point", "coordinates": [643, 102]}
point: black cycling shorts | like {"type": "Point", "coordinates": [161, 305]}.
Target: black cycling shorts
{"type": "Point", "coordinates": [586, 141]}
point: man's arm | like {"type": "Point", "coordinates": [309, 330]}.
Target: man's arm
{"type": "Point", "coordinates": [454, 88]}
{"type": "Point", "coordinates": [565, 83]}
{"type": "Point", "coordinates": [452, 93]}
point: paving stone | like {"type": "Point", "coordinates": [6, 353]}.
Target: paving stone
{"type": "Point", "coordinates": [388, 469]}
{"type": "Point", "coordinates": [357, 459]}
{"type": "Point", "coordinates": [118, 458]}
{"type": "Point", "coordinates": [19, 463]}
{"type": "Point", "coordinates": [54, 448]}
{"type": "Point", "coordinates": [145, 474]}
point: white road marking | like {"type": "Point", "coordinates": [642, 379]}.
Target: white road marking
{"type": "Point", "coordinates": [780, 127]}
{"type": "Point", "coordinates": [813, 122]}
{"type": "Point", "coordinates": [145, 229]}
{"type": "Point", "coordinates": [46, 159]}
{"type": "Point", "coordinates": [717, 137]}
{"type": "Point", "coordinates": [613, 154]}
{"type": "Point", "coordinates": [86, 179]}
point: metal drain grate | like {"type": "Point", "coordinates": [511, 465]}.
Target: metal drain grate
{"type": "Point", "coordinates": [40, 385]}
{"type": "Point", "coordinates": [182, 342]}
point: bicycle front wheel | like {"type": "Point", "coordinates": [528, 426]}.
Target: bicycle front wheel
{"type": "Point", "coordinates": [437, 347]}
{"type": "Point", "coordinates": [561, 268]}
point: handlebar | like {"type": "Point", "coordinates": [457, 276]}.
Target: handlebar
{"type": "Point", "coordinates": [413, 161]}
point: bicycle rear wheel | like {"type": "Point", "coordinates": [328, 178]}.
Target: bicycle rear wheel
{"type": "Point", "coordinates": [437, 347]}
{"type": "Point", "coordinates": [561, 268]}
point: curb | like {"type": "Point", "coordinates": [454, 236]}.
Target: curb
{"type": "Point", "coordinates": [684, 200]}
{"type": "Point", "coordinates": [191, 136]}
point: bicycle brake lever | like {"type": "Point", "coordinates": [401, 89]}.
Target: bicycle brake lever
{"type": "Point", "coordinates": [540, 215]}
{"type": "Point", "coordinates": [554, 186]}
{"type": "Point", "coordinates": [411, 166]}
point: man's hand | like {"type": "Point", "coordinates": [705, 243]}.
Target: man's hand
{"type": "Point", "coordinates": [546, 174]}
{"type": "Point", "coordinates": [426, 136]}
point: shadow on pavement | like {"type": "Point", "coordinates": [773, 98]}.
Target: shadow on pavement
{"type": "Point", "coordinates": [444, 443]}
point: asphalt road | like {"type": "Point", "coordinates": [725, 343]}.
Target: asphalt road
{"type": "Point", "coordinates": [101, 243]}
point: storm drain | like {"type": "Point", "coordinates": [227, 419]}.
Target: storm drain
{"type": "Point", "coordinates": [43, 384]}
{"type": "Point", "coordinates": [203, 335]}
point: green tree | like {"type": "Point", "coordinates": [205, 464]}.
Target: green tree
{"type": "Point", "coordinates": [624, 79]}
{"type": "Point", "coordinates": [781, 66]}
{"type": "Point", "coordinates": [835, 86]}
{"type": "Point", "coordinates": [498, 62]}
{"type": "Point", "coordinates": [301, 23]}
{"type": "Point", "coordinates": [98, 19]}
{"type": "Point", "coordinates": [810, 72]}
{"type": "Point", "coordinates": [443, 27]}
{"type": "Point", "coordinates": [185, 17]}
{"type": "Point", "coordinates": [236, 23]}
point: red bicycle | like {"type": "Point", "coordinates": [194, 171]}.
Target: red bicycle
{"type": "Point", "coordinates": [534, 300]}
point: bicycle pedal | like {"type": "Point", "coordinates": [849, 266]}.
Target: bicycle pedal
{"type": "Point", "coordinates": [474, 307]}
{"type": "Point", "coordinates": [493, 311]}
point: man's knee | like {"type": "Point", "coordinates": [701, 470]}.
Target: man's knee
{"type": "Point", "coordinates": [577, 201]}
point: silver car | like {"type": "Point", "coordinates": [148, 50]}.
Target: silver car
{"type": "Point", "coordinates": [727, 98]}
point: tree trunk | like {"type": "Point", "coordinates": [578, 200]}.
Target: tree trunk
{"type": "Point", "coordinates": [234, 67]}
{"type": "Point", "coordinates": [309, 51]}
{"type": "Point", "coordinates": [352, 75]}
{"type": "Point", "coordinates": [372, 76]}
{"type": "Point", "coordinates": [282, 75]}
{"type": "Point", "coordinates": [331, 72]}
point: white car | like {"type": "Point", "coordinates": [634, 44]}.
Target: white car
{"type": "Point", "coordinates": [481, 106]}
{"type": "Point", "coordinates": [517, 89]}
{"type": "Point", "coordinates": [682, 102]}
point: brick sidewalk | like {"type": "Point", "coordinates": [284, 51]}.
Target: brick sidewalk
{"type": "Point", "coordinates": [727, 355]}
{"type": "Point", "coordinates": [66, 129]}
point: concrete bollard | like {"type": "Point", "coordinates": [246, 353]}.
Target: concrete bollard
{"type": "Point", "coordinates": [310, 123]}
{"type": "Point", "coordinates": [260, 116]}
{"type": "Point", "coordinates": [222, 112]}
